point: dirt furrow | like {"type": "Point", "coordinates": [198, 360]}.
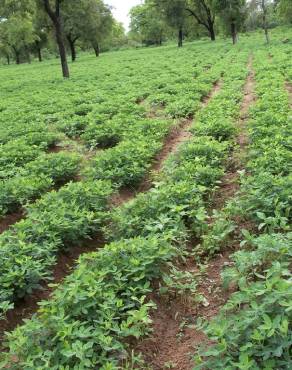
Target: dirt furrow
{"type": "Point", "coordinates": [174, 339]}
{"type": "Point", "coordinates": [66, 261]}
{"type": "Point", "coordinates": [229, 183]}
{"type": "Point", "coordinates": [178, 135]}
{"type": "Point", "coordinates": [10, 220]}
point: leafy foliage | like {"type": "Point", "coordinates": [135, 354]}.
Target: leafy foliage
{"type": "Point", "coordinates": [35, 178]}
{"type": "Point", "coordinates": [253, 330]}
{"type": "Point", "coordinates": [103, 301]}
{"type": "Point", "coordinates": [58, 220]}
{"type": "Point", "coordinates": [109, 289]}
{"type": "Point", "coordinates": [96, 309]}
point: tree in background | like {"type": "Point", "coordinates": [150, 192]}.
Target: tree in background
{"type": "Point", "coordinates": [254, 16]}
{"type": "Point", "coordinates": [27, 26]}
{"type": "Point", "coordinates": [73, 17]}
{"type": "Point", "coordinates": [204, 14]}
{"type": "Point", "coordinates": [174, 13]}
{"type": "Point", "coordinates": [54, 13]}
{"type": "Point", "coordinates": [263, 5]}
{"type": "Point", "coordinates": [147, 24]}
{"type": "Point", "coordinates": [116, 37]}
{"type": "Point", "coordinates": [17, 34]}
{"type": "Point", "coordinates": [42, 29]}
{"type": "Point", "coordinates": [262, 14]}
{"type": "Point", "coordinates": [98, 25]}
{"type": "Point", "coordinates": [4, 49]}
{"type": "Point", "coordinates": [232, 14]}
{"type": "Point", "coordinates": [284, 9]}
{"type": "Point", "coordinates": [155, 20]}
{"type": "Point", "coordinates": [89, 20]}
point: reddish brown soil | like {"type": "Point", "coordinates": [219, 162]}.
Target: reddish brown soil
{"type": "Point", "coordinates": [216, 87]}
{"type": "Point", "coordinates": [228, 188]}
{"type": "Point", "coordinates": [176, 136]}
{"type": "Point", "coordinates": [230, 182]}
{"type": "Point", "coordinates": [175, 339]}
{"type": "Point", "coordinates": [9, 220]}
{"type": "Point", "coordinates": [123, 196]}
{"type": "Point", "coordinates": [172, 345]}
{"type": "Point", "coordinates": [248, 100]}
{"type": "Point", "coordinates": [26, 307]}
{"type": "Point", "coordinates": [55, 149]}
{"type": "Point", "coordinates": [70, 145]}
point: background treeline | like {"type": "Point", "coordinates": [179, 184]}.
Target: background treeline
{"type": "Point", "coordinates": [156, 21]}
{"type": "Point", "coordinates": [46, 28]}
{"type": "Point", "coordinates": [54, 27]}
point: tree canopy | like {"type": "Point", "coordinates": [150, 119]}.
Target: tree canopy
{"type": "Point", "coordinates": [28, 27]}
{"type": "Point", "coordinates": [147, 25]}
{"type": "Point", "coordinates": [232, 13]}
{"type": "Point", "coordinates": [285, 10]}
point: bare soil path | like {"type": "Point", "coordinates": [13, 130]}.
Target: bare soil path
{"type": "Point", "coordinates": [178, 135]}
{"type": "Point", "coordinates": [174, 339]}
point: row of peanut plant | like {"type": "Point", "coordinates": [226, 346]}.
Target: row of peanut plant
{"type": "Point", "coordinates": [101, 98]}
{"type": "Point", "coordinates": [36, 178]}
{"type": "Point", "coordinates": [94, 311]}
{"type": "Point", "coordinates": [61, 219]}
{"type": "Point", "coordinates": [110, 119]}
{"type": "Point", "coordinates": [253, 330]}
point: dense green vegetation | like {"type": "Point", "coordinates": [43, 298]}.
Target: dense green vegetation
{"type": "Point", "coordinates": [253, 330]}
{"type": "Point", "coordinates": [167, 214]}
{"type": "Point", "coordinates": [70, 148]}
{"type": "Point", "coordinates": [135, 139]}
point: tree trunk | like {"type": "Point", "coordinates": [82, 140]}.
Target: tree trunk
{"type": "Point", "coordinates": [8, 59]}
{"type": "Point", "coordinates": [55, 17]}
{"type": "Point", "coordinates": [62, 50]}
{"type": "Point", "coordinates": [28, 56]}
{"type": "Point", "coordinates": [267, 35]}
{"type": "Point", "coordinates": [265, 26]}
{"type": "Point", "coordinates": [73, 51]}
{"type": "Point", "coordinates": [180, 37]}
{"type": "Point", "coordinates": [233, 33]}
{"type": "Point", "coordinates": [39, 51]}
{"type": "Point", "coordinates": [17, 57]}
{"type": "Point", "coordinates": [72, 47]}
{"type": "Point", "coordinates": [209, 23]}
{"type": "Point", "coordinates": [96, 50]}
{"type": "Point", "coordinates": [212, 31]}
